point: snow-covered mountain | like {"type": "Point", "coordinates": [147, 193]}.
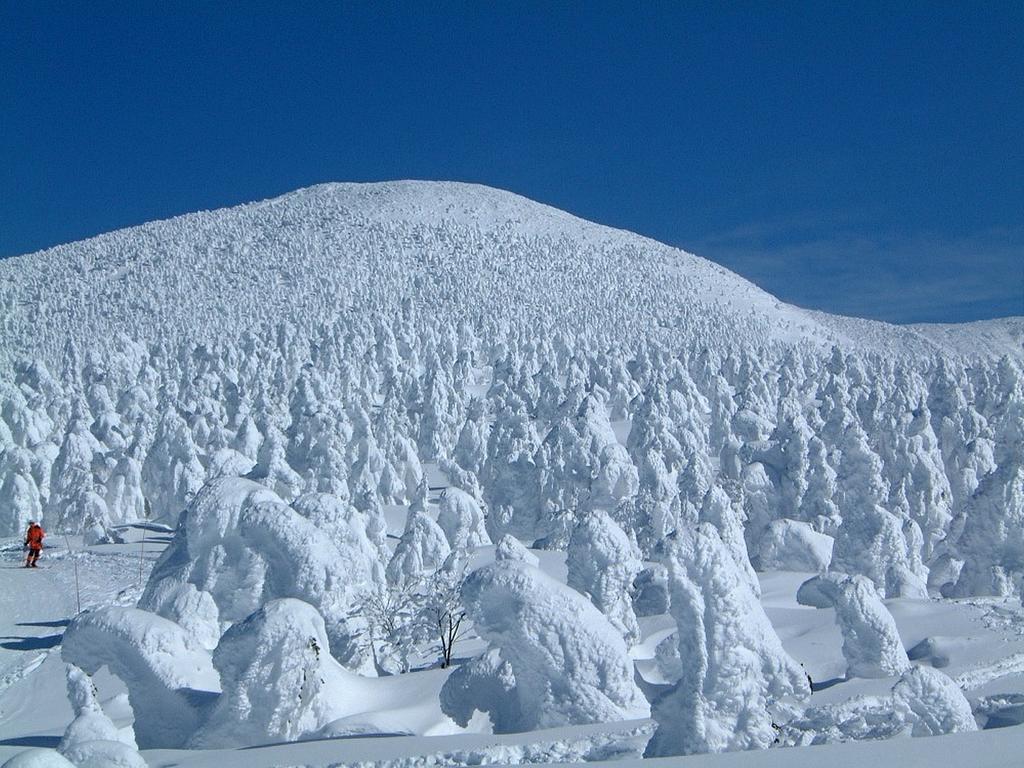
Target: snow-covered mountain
{"type": "Point", "coordinates": [434, 459]}
{"type": "Point", "coordinates": [462, 250]}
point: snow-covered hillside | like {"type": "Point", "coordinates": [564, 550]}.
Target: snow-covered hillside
{"type": "Point", "coordinates": [432, 459]}
{"type": "Point", "coordinates": [464, 251]}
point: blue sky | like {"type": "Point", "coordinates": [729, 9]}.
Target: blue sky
{"type": "Point", "coordinates": [864, 158]}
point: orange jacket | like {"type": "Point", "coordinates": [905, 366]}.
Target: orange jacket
{"type": "Point", "coordinates": [34, 537]}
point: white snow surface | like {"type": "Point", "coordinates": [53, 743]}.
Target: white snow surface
{"type": "Point", "coordinates": [269, 443]}
{"type": "Point", "coordinates": [304, 255]}
{"type": "Point", "coordinates": [990, 632]}
{"type": "Point", "coordinates": [792, 545]}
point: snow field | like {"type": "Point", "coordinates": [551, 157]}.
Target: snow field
{"type": "Point", "coordinates": [498, 471]}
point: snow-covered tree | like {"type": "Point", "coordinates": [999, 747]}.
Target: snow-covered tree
{"type": "Point", "coordinates": [870, 541]}
{"type": "Point", "coordinates": [871, 642]}
{"type": "Point", "coordinates": [471, 445]}
{"type": "Point", "coordinates": [123, 493]}
{"type": "Point", "coordinates": [992, 542]}
{"type": "Point", "coordinates": [718, 510]}
{"type": "Point", "coordinates": [554, 660]}
{"type": "Point", "coordinates": [509, 477]}
{"type": "Point", "coordinates": [278, 679]}
{"type": "Point", "coordinates": [460, 513]}
{"type": "Point", "coordinates": [72, 471]}
{"type": "Point", "coordinates": [932, 702]}
{"type": "Point", "coordinates": [602, 563]}
{"type": "Point", "coordinates": [273, 470]}
{"type": "Point", "coordinates": [733, 663]}
{"type": "Point", "coordinates": [423, 547]}
{"type": "Point", "coordinates": [20, 500]}
{"type": "Point", "coordinates": [172, 473]}
{"type": "Point", "coordinates": [157, 661]}
{"type": "Point", "coordinates": [241, 544]}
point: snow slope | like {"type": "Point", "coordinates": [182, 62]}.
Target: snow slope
{"type": "Point", "coordinates": [979, 638]}
{"type": "Point", "coordinates": [359, 414]}
{"type": "Point", "coordinates": [463, 249]}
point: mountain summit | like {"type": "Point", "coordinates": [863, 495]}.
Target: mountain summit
{"type": "Point", "coordinates": [460, 250]}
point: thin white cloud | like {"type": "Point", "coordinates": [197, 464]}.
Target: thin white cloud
{"type": "Point", "coordinates": [901, 279]}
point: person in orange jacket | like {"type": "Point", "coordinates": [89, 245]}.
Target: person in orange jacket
{"type": "Point", "coordinates": [34, 542]}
